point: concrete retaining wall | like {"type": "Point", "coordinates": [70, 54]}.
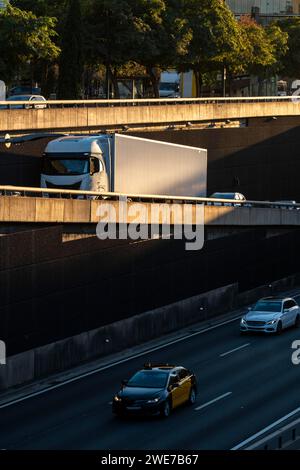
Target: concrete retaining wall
{"type": "Point", "coordinates": [59, 356]}
{"type": "Point", "coordinates": [55, 210]}
{"type": "Point", "coordinates": [95, 117]}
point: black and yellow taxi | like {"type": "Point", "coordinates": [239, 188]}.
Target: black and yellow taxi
{"type": "Point", "coordinates": [156, 389]}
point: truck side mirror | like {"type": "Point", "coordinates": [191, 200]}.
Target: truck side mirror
{"type": "Point", "coordinates": [94, 166]}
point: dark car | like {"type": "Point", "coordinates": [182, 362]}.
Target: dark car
{"type": "Point", "coordinates": [156, 389]}
{"type": "Point", "coordinates": [30, 102]}
{"type": "Point", "coordinates": [24, 90]}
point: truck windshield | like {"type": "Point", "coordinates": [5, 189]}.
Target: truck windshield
{"type": "Point", "coordinates": [168, 86]}
{"type": "Point", "coordinates": [59, 166]}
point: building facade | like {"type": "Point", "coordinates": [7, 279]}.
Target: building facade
{"type": "Point", "coordinates": [265, 8]}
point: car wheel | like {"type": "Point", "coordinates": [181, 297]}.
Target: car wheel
{"type": "Point", "coordinates": [279, 328]}
{"type": "Point", "coordinates": [297, 321]}
{"type": "Point", "coordinates": [166, 409]}
{"type": "Point", "coordinates": [193, 396]}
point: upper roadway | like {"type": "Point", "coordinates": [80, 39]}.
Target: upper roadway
{"type": "Point", "coordinates": [76, 211]}
{"type": "Point", "coordinates": [76, 115]}
{"type": "Point", "coordinates": [245, 385]}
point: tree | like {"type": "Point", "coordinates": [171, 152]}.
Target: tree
{"type": "Point", "coordinates": [215, 37]}
{"type": "Point", "coordinates": [111, 37]}
{"type": "Point", "coordinates": [24, 38]}
{"type": "Point", "coordinates": [290, 61]}
{"type": "Point", "coordinates": [71, 64]}
{"type": "Point", "coordinates": [162, 37]}
{"type": "Point", "coordinates": [265, 48]}
{"type": "Point", "coordinates": [53, 8]}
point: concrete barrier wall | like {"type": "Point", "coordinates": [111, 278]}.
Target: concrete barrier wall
{"type": "Point", "coordinates": [44, 210]}
{"type": "Point", "coordinates": [95, 117]}
{"type": "Point", "coordinates": [62, 355]}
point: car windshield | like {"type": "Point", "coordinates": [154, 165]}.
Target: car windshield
{"type": "Point", "coordinates": [149, 379]}
{"type": "Point", "coordinates": [223, 196]}
{"type": "Point", "coordinates": [59, 166]}
{"type": "Point", "coordinates": [18, 98]}
{"type": "Point", "coordinates": [268, 306]}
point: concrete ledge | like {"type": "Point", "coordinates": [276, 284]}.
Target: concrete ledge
{"type": "Point", "coordinates": [62, 355]}
{"type": "Point", "coordinates": [112, 115]}
{"type": "Point", "coordinates": [72, 211]}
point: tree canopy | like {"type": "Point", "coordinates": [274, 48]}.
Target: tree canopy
{"type": "Point", "coordinates": [290, 61]}
{"type": "Point", "coordinates": [24, 37]}
{"type": "Point", "coordinates": [149, 35]}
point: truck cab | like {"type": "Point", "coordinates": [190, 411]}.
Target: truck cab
{"type": "Point", "coordinates": [77, 163]}
{"type": "Point", "coordinates": [169, 86]}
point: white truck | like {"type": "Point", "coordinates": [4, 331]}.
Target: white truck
{"type": "Point", "coordinates": [124, 164]}
{"type": "Point", "coordinates": [169, 85]}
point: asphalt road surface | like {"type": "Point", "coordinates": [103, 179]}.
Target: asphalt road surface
{"type": "Point", "coordinates": [245, 384]}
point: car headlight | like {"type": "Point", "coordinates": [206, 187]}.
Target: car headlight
{"type": "Point", "coordinates": [272, 322]}
{"type": "Point", "coordinates": [154, 400]}
{"type": "Point", "coordinates": [117, 399]}
{"type": "Point", "coordinates": [243, 321]}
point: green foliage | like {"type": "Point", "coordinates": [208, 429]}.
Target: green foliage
{"type": "Point", "coordinates": [263, 51]}
{"type": "Point", "coordinates": [24, 38]}
{"type": "Point", "coordinates": [146, 35]}
{"type": "Point", "coordinates": [290, 62]}
{"type": "Point", "coordinates": [54, 8]}
{"type": "Point", "coordinates": [215, 37]}
{"type": "Point", "coordinates": [71, 59]}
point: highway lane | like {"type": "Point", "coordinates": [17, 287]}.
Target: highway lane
{"type": "Point", "coordinates": [245, 383]}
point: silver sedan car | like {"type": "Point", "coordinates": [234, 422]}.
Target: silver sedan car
{"type": "Point", "coordinates": [271, 315]}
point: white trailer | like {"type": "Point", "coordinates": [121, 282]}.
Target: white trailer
{"type": "Point", "coordinates": [124, 164]}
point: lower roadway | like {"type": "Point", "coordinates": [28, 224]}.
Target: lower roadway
{"type": "Point", "coordinates": [245, 384]}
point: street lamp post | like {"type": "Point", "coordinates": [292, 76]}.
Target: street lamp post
{"type": "Point", "coordinates": [224, 80]}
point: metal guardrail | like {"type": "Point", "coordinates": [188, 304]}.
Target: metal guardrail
{"type": "Point", "coordinates": [4, 105]}
{"type": "Point", "coordinates": [23, 191]}
{"type": "Point", "coordinates": [283, 438]}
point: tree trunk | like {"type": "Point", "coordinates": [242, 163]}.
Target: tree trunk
{"type": "Point", "coordinates": [113, 78]}
{"type": "Point", "coordinates": [199, 82]}
{"type": "Point", "coordinates": [154, 78]}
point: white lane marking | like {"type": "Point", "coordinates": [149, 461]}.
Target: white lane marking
{"type": "Point", "coordinates": [234, 350]}
{"type": "Point", "coordinates": [213, 401]}
{"type": "Point", "coordinates": [122, 361]}
{"type": "Point", "coordinates": [266, 429]}
{"type": "Point", "coordinates": [113, 364]}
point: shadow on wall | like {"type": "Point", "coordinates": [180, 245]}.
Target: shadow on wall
{"type": "Point", "coordinates": [50, 290]}
{"type": "Point", "coordinates": [261, 161]}
{"type": "Point", "coordinates": [20, 165]}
